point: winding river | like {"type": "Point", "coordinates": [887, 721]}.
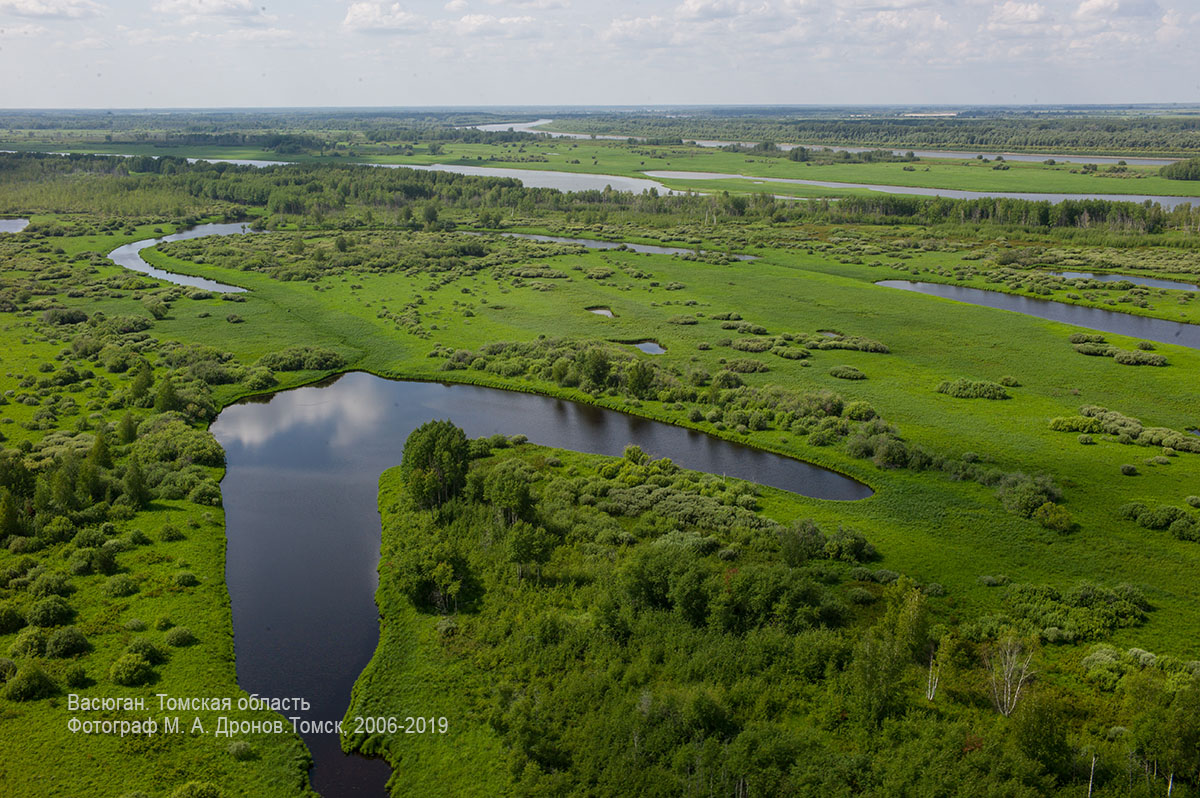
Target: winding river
{"type": "Point", "coordinates": [1160, 330]}
{"type": "Point", "coordinates": [535, 127]}
{"type": "Point", "coordinates": [303, 530]}
{"type": "Point", "coordinates": [1167, 202]}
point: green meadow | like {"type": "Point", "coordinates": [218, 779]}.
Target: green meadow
{"type": "Point", "coordinates": [1031, 533]}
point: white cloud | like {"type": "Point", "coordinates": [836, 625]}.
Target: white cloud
{"type": "Point", "coordinates": [52, 9]}
{"type": "Point", "coordinates": [23, 31]}
{"type": "Point", "coordinates": [1015, 13]}
{"type": "Point", "coordinates": [208, 8]}
{"type": "Point", "coordinates": [486, 24]}
{"type": "Point", "coordinates": [1097, 9]}
{"type": "Point", "coordinates": [456, 6]}
{"type": "Point", "coordinates": [381, 18]}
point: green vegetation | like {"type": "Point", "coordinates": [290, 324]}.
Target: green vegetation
{"type": "Point", "coordinates": [741, 635]}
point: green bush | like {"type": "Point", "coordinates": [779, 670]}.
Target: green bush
{"type": "Point", "coordinates": [10, 619]}
{"type": "Point", "coordinates": [76, 676]}
{"type": "Point", "coordinates": [66, 642]}
{"type": "Point", "coordinates": [1087, 440]}
{"type": "Point", "coordinates": [120, 586]}
{"type": "Point", "coordinates": [130, 670]}
{"type": "Point", "coordinates": [50, 585]}
{"type": "Point", "coordinates": [179, 637]}
{"type": "Point", "coordinates": [186, 579]}
{"type": "Point", "coordinates": [859, 411]}
{"type": "Point", "coordinates": [1194, 501]}
{"type": "Point", "coordinates": [847, 373]}
{"type": "Point", "coordinates": [973, 389]}
{"type": "Point", "coordinates": [143, 648]}
{"type": "Point", "coordinates": [7, 669]}
{"type": "Point", "coordinates": [1138, 358]}
{"type": "Point", "coordinates": [51, 611]}
{"type": "Point", "coordinates": [241, 751]}
{"type": "Point", "coordinates": [1055, 517]}
{"type": "Point", "coordinates": [29, 642]}
{"type": "Point", "coordinates": [1076, 424]}
{"type": "Point", "coordinates": [1129, 470]}
{"type": "Point", "coordinates": [170, 533]}
{"type": "Point", "coordinates": [29, 684]}
{"type": "Point", "coordinates": [299, 358]}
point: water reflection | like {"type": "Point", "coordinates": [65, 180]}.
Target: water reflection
{"type": "Point", "coordinates": [1108, 277]}
{"type": "Point", "coordinates": [129, 256]}
{"type": "Point", "coordinates": [13, 225]}
{"type": "Point", "coordinates": [303, 529]}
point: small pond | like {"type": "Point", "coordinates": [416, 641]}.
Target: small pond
{"type": "Point", "coordinates": [13, 225]}
{"type": "Point", "coordinates": [650, 347]}
{"type": "Point", "coordinates": [607, 312]}
{"type": "Point", "coordinates": [1166, 332]}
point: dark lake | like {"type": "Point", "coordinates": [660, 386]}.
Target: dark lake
{"type": "Point", "coordinates": [304, 533]}
{"type": "Point", "coordinates": [1166, 332]}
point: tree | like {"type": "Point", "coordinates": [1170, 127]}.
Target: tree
{"type": "Point", "coordinates": [434, 465]}
{"type": "Point", "coordinates": [167, 399]}
{"type": "Point", "coordinates": [639, 378]}
{"type": "Point", "coordinates": [507, 488]}
{"type": "Point", "coordinates": [99, 455]}
{"type": "Point", "coordinates": [134, 484]}
{"type": "Point", "coordinates": [1007, 663]}
{"type": "Point", "coordinates": [128, 428]}
{"type": "Point", "coordinates": [528, 545]}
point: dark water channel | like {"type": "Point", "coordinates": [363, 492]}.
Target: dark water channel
{"type": "Point", "coordinates": [1161, 330]}
{"type": "Point", "coordinates": [303, 526]}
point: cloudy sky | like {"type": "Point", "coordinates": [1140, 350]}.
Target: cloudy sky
{"type": "Point", "coordinates": [223, 53]}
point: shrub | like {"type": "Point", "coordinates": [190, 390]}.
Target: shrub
{"type": "Point", "coordinates": [861, 596]}
{"type": "Point", "coordinates": [30, 642]}
{"type": "Point", "coordinates": [1009, 382]}
{"type": "Point", "coordinates": [1086, 440]}
{"type": "Point", "coordinates": [186, 579]}
{"type": "Point", "coordinates": [66, 642]}
{"type": "Point", "coordinates": [1160, 517]}
{"type": "Point", "coordinates": [76, 676]}
{"type": "Point", "coordinates": [973, 389]}
{"type": "Point", "coordinates": [143, 648]}
{"type": "Point", "coordinates": [130, 670]}
{"type": "Point", "coordinates": [29, 684]}
{"type": "Point", "coordinates": [1137, 358]}
{"type": "Point", "coordinates": [241, 751]}
{"type": "Point", "coordinates": [179, 637]}
{"type": "Point", "coordinates": [1129, 470]}
{"type": "Point", "coordinates": [1185, 528]}
{"type": "Point", "coordinates": [10, 620]}
{"type": "Point", "coordinates": [120, 586]}
{"type": "Point", "coordinates": [51, 611]}
{"type": "Point", "coordinates": [170, 533]}
{"type": "Point", "coordinates": [1076, 424]}
{"type": "Point", "coordinates": [7, 669]}
{"type": "Point", "coordinates": [859, 411]}
{"type": "Point", "coordinates": [847, 373]}
{"type": "Point", "coordinates": [1194, 501]}
{"type": "Point", "coordinates": [50, 585]}
{"type": "Point", "coordinates": [1054, 516]}
{"type": "Point", "coordinates": [299, 358]}
{"type": "Point", "coordinates": [1086, 338]}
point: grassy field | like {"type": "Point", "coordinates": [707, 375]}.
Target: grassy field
{"type": "Point", "coordinates": [403, 304]}
{"type": "Point", "coordinates": [632, 160]}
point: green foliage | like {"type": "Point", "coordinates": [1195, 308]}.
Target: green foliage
{"type": "Point", "coordinates": [130, 670]}
{"type": "Point", "coordinates": [1182, 170]}
{"type": "Point", "coordinates": [30, 683]}
{"type": "Point", "coordinates": [847, 373]}
{"type": "Point", "coordinates": [435, 462]}
{"type": "Point", "coordinates": [973, 389]}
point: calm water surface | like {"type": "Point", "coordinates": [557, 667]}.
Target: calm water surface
{"type": "Point", "coordinates": [130, 257]}
{"type": "Point", "coordinates": [1166, 202]}
{"type": "Point", "coordinates": [1108, 277]}
{"type": "Point", "coordinates": [303, 527]}
{"type": "Point", "coordinates": [13, 225]}
{"type": "Point", "coordinates": [1166, 332]}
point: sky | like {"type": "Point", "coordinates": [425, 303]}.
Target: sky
{"type": "Point", "coordinates": [256, 53]}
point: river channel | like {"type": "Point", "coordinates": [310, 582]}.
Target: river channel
{"type": "Point", "coordinates": [1160, 330]}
